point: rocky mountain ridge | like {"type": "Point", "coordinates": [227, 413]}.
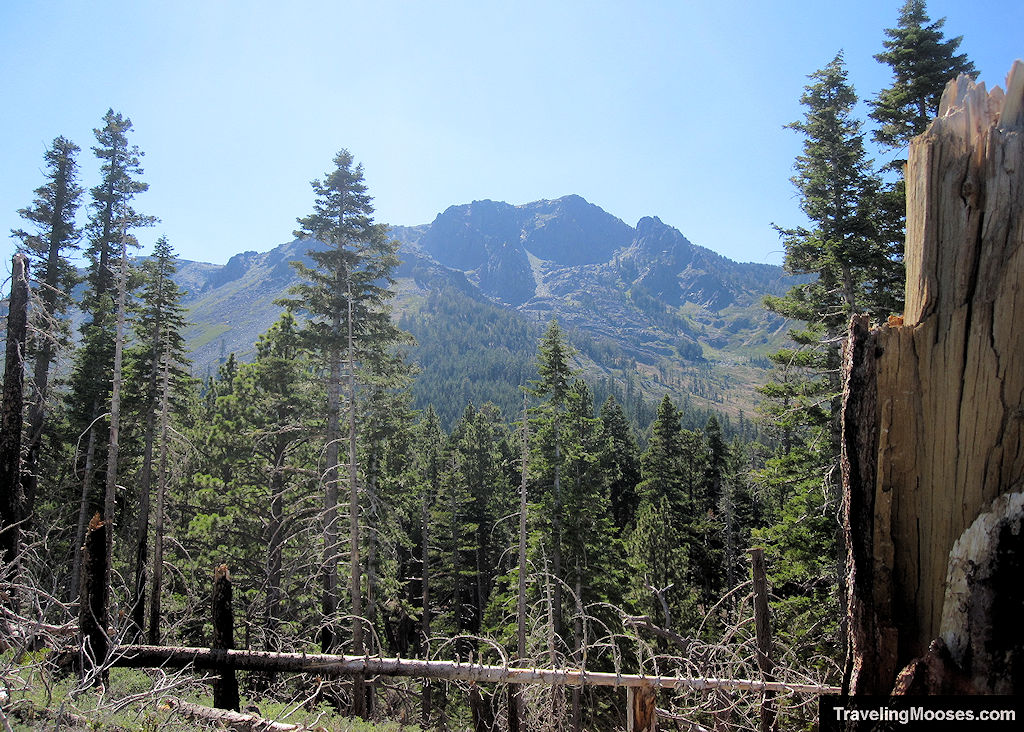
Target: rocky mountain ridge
{"type": "Point", "coordinates": [686, 319]}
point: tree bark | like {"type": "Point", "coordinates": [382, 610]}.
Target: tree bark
{"type": "Point", "coordinates": [762, 631]}
{"type": "Point", "coordinates": [138, 614]}
{"type": "Point", "coordinates": [250, 660]}
{"type": "Point", "coordinates": [641, 709]}
{"type": "Point", "coordinates": [11, 415]}
{"type": "Point", "coordinates": [158, 521]}
{"type": "Point", "coordinates": [113, 449]}
{"type": "Point", "coordinates": [228, 719]}
{"type": "Point", "coordinates": [932, 416]}
{"type": "Point", "coordinates": [92, 607]}
{"type": "Point", "coordinates": [83, 514]}
{"type": "Point", "coordinates": [225, 686]}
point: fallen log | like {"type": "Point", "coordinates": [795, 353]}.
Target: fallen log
{"type": "Point", "coordinates": [243, 722]}
{"type": "Point", "coordinates": [142, 656]}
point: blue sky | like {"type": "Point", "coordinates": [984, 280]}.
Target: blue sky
{"type": "Point", "coordinates": [672, 109]}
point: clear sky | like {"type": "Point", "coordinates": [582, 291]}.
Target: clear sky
{"type": "Point", "coordinates": [673, 109]}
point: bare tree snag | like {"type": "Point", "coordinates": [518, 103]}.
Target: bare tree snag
{"type": "Point", "coordinates": [933, 420]}
{"type": "Point", "coordinates": [641, 709]}
{"type": "Point", "coordinates": [762, 630]}
{"type": "Point", "coordinates": [92, 606]}
{"type": "Point", "coordinates": [225, 686]}
{"type": "Point", "coordinates": [11, 496]}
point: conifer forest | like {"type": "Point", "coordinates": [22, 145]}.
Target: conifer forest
{"type": "Point", "coordinates": [298, 502]}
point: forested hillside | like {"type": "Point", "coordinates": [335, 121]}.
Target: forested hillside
{"type": "Point", "coordinates": [528, 436]}
{"type": "Point", "coordinates": [650, 313]}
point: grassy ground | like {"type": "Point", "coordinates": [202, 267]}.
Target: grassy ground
{"type": "Point", "coordinates": [135, 700]}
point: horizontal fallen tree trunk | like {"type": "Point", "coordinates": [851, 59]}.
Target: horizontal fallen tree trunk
{"type": "Point", "coordinates": [228, 719]}
{"type": "Point", "coordinates": [141, 656]}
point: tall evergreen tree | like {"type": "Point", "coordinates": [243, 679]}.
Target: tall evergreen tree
{"type": "Point", "coordinates": [111, 222]}
{"type": "Point", "coordinates": [590, 545]}
{"type": "Point", "coordinates": [836, 186]}
{"type": "Point", "coordinates": [479, 443]}
{"type": "Point", "coordinates": [657, 546]}
{"type": "Point", "coordinates": [253, 500]}
{"type": "Point", "coordinates": [156, 364]}
{"type": "Point", "coordinates": [556, 377]}
{"type": "Point", "coordinates": [922, 62]}
{"type": "Point", "coordinates": [840, 250]}
{"type": "Point", "coordinates": [346, 297]}
{"type": "Point", "coordinates": [851, 252]}
{"type": "Point", "coordinates": [621, 464]}
{"type": "Point", "coordinates": [55, 233]}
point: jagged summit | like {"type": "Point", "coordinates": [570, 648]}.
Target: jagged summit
{"type": "Point", "coordinates": [646, 291]}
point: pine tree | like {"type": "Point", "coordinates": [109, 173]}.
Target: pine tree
{"type": "Point", "coordinates": [253, 499]}
{"type": "Point", "coordinates": [851, 250]}
{"type": "Point", "coordinates": [552, 388]}
{"type": "Point", "coordinates": [430, 448]}
{"type": "Point", "coordinates": [93, 379]}
{"type": "Point", "coordinates": [346, 297]}
{"type": "Point", "coordinates": [662, 462]}
{"type": "Point", "coordinates": [922, 63]}
{"type": "Point", "coordinates": [661, 571]}
{"type": "Point", "coordinates": [591, 547]}
{"type": "Point", "coordinates": [156, 364]}
{"type": "Point", "coordinates": [52, 216]}
{"type": "Point", "coordinates": [852, 271]}
{"type": "Point", "coordinates": [389, 500]}
{"type": "Point", "coordinates": [479, 443]}
{"type": "Point", "coordinates": [621, 464]}
{"type": "Point", "coordinates": [837, 188]}
{"type": "Point", "coordinates": [706, 547]}
{"type": "Point", "coordinates": [657, 561]}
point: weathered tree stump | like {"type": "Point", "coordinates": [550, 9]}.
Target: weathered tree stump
{"type": "Point", "coordinates": [92, 606]}
{"type": "Point", "coordinates": [11, 496]}
{"type": "Point", "coordinates": [225, 684]}
{"type": "Point", "coordinates": [641, 709]}
{"type": "Point", "coordinates": [933, 417]}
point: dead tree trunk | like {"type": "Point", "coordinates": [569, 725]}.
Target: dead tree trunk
{"type": "Point", "coordinates": [11, 415]}
{"type": "Point", "coordinates": [933, 422]}
{"type": "Point", "coordinates": [225, 686]}
{"type": "Point", "coordinates": [92, 606]}
{"type": "Point", "coordinates": [515, 712]}
{"type": "Point", "coordinates": [113, 449]}
{"type": "Point", "coordinates": [762, 630]}
{"type": "Point", "coordinates": [641, 709]}
{"type": "Point", "coordinates": [170, 657]}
